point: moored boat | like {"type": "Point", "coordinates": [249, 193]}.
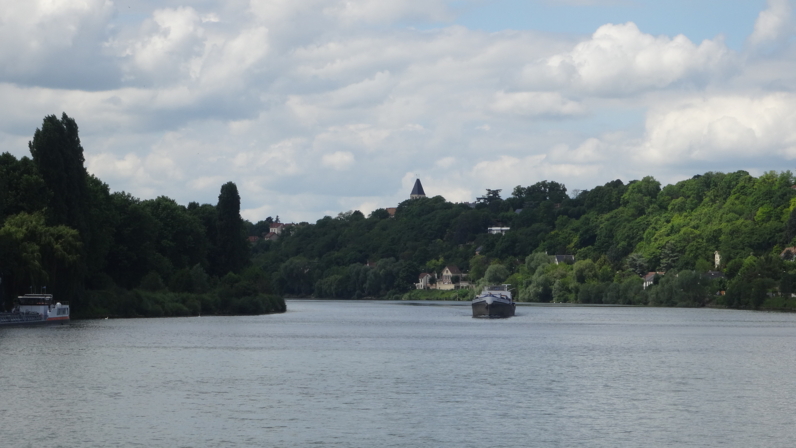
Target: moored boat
{"type": "Point", "coordinates": [31, 309]}
{"type": "Point", "coordinates": [494, 301]}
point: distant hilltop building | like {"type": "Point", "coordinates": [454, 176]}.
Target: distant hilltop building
{"type": "Point", "coordinates": [417, 191]}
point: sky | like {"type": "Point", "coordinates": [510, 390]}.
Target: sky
{"type": "Point", "coordinates": [317, 107]}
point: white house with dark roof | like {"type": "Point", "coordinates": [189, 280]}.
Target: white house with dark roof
{"type": "Point", "coordinates": [424, 281]}
{"type": "Point", "coordinates": [649, 279]}
{"type": "Point", "coordinates": [497, 230]}
{"type": "Point", "coordinates": [449, 272]}
{"type": "Point", "coordinates": [278, 227]}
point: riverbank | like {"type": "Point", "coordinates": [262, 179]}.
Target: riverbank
{"type": "Point", "coordinates": [122, 303]}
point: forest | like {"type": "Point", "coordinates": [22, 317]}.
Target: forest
{"type": "Point", "coordinates": [112, 254]}
{"type": "Point", "coordinates": [616, 233]}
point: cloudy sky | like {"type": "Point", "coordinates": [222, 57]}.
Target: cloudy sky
{"type": "Point", "coordinates": [313, 107]}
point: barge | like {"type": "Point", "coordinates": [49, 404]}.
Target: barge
{"type": "Point", "coordinates": [34, 309]}
{"type": "Point", "coordinates": [495, 301]}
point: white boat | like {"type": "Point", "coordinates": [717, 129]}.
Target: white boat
{"type": "Point", "coordinates": [31, 309]}
{"type": "Point", "coordinates": [494, 301]}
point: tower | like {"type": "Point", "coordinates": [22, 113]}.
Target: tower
{"type": "Point", "coordinates": [417, 191]}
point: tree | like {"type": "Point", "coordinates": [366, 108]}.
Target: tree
{"type": "Point", "coordinates": [790, 228]}
{"type": "Point", "coordinates": [33, 252]}
{"type": "Point", "coordinates": [58, 156]}
{"type": "Point", "coordinates": [179, 238]}
{"type": "Point", "coordinates": [669, 256]}
{"type": "Point", "coordinates": [637, 263]}
{"type": "Point", "coordinates": [491, 196]}
{"type": "Point", "coordinates": [22, 188]}
{"type": "Point", "coordinates": [232, 248]}
{"type": "Point", "coordinates": [133, 251]}
{"type": "Point", "coordinates": [584, 271]}
{"type": "Point", "coordinates": [77, 200]}
{"type": "Point", "coordinates": [535, 260]}
{"type": "Point", "coordinates": [540, 192]}
{"type": "Point", "coordinates": [496, 274]}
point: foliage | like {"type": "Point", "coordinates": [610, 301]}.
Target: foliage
{"type": "Point", "coordinates": [61, 226]}
{"type": "Point", "coordinates": [113, 254]}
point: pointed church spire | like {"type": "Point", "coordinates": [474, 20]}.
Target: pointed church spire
{"type": "Point", "coordinates": [417, 191]}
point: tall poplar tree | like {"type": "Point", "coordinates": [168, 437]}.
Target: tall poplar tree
{"type": "Point", "coordinates": [77, 200]}
{"type": "Point", "coordinates": [58, 155]}
{"type": "Point", "coordinates": [232, 251]}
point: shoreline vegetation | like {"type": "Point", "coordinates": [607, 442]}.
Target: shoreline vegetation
{"type": "Point", "coordinates": [724, 240]}
{"type": "Point", "coordinates": [114, 255]}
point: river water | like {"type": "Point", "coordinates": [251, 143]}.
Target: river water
{"type": "Point", "coordinates": [395, 374]}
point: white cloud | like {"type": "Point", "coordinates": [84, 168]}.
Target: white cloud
{"type": "Point", "coordinates": [339, 160]}
{"type": "Point", "coordinates": [371, 11]}
{"type": "Point", "coordinates": [620, 59]}
{"type": "Point", "coordinates": [50, 42]}
{"type": "Point", "coordinates": [445, 162]}
{"type": "Point", "coordinates": [535, 104]}
{"type": "Point", "coordinates": [722, 128]}
{"type": "Point", "coordinates": [773, 24]}
{"type": "Point", "coordinates": [508, 171]}
{"type": "Point", "coordinates": [171, 39]}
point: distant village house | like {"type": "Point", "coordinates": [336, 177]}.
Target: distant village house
{"type": "Point", "coordinates": [497, 230]}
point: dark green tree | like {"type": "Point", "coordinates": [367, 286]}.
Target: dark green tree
{"type": "Point", "coordinates": [790, 227]}
{"type": "Point", "coordinates": [232, 250]}
{"type": "Point", "coordinates": [58, 156]}
{"type": "Point", "coordinates": [22, 188]}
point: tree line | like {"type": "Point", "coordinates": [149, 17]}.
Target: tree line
{"type": "Point", "coordinates": [616, 232]}
{"type": "Point", "coordinates": [114, 254]}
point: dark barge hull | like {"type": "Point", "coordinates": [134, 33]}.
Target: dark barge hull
{"type": "Point", "coordinates": [494, 310]}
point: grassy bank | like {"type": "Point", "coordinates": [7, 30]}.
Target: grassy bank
{"type": "Point", "coordinates": [779, 304]}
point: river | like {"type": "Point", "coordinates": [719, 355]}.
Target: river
{"type": "Point", "coordinates": [397, 374]}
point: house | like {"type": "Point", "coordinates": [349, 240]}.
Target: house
{"type": "Point", "coordinates": [558, 259]}
{"type": "Point", "coordinates": [271, 236]}
{"type": "Point", "coordinates": [424, 281]}
{"type": "Point", "coordinates": [497, 230]}
{"type": "Point", "coordinates": [649, 279]}
{"type": "Point", "coordinates": [278, 227]}
{"type": "Point", "coordinates": [449, 273]}
{"type": "Point", "coordinates": [452, 278]}
{"type": "Point", "coordinates": [253, 239]}
{"type": "Point", "coordinates": [391, 211]}
{"type": "Point", "coordinates": [789, 253]}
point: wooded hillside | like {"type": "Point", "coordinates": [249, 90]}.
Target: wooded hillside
{"type": "Point", "coordinates": [617, 232]}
